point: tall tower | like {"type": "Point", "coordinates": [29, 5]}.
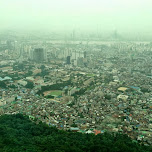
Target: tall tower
{"type": "Point", "coordinates": [68, 60]}
{"type": "Point", "coordinates": [115, 34]}
{"type": "Point", "coordinates": [85, 54]}
{"type": "Point", "coordinates": [38, 55]}
{"type": "Point", "coordinates": [9, 44]}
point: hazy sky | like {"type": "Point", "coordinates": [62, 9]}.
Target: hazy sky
{"type": "Point", "coordinates": [123, 15]}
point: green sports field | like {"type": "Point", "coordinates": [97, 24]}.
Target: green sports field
{"type": "Point", "coordinates": [56, 93]}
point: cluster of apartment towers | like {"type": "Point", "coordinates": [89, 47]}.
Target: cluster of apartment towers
{"type": "Point", "coordinates": [76, 58]}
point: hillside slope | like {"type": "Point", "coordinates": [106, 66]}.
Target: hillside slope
{"type": "Point", "coordinates": [19, 134]}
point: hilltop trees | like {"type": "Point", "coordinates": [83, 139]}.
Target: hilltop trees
{"type": "Point", "coordinates": [29, 85]}
{"type": "Point", "coordinates": [18, 133]}
{"type": "Point", "coordinates": [2, 84]}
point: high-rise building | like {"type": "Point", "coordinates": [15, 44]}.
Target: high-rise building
{"type": "Point", "coordinates": [39, 55]}
{"type": "Point", "coordinates": [80, 62]}
{"type": "Point", "coordinates": [85, 54]}
{"type": "Point", "coordinates": [9, 44]}
{"type": "Point", "coordinates": [68, 60]}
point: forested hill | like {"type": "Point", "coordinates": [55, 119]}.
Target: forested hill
{"type": "Point", "coordinates": [19, 134]}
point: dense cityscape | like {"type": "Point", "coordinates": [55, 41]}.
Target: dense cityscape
{"type": "Point", "coordinates": [79, 85]}
{"type": "Point", "coordinates": [75, 76]}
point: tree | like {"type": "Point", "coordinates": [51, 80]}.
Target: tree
{"type": "Point", "coordinates": [107, 96]}
{"type": "Point", "coordinates": [16, 130]}
{"type": "Point", "coordinates": [29, 85]}
{"type": "Point", "coordinates": [2, 84]}
{"type": "Point", "coordinates": [12, 86]}
{"type": "Point", "coordinates": [74, 125]}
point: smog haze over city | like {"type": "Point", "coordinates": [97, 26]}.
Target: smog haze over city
{"type": "Point", "coordinates": [84, 15]}
{"type": "Point", "coordinates": [75, 75]}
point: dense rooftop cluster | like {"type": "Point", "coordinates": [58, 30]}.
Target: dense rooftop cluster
{"type": "Point", "coordinates": [108, 90]}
